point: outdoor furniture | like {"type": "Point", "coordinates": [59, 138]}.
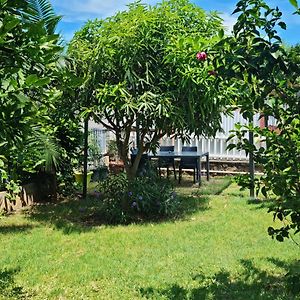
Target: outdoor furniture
{"type": "Point", "coordinates": [189, 163]}
{"type": "Point", "coordinates": [166, 162]}
{"type": "Point", "coordinates": [186, 154]}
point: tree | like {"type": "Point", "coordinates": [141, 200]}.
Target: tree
{"type": "Point", "coordinates": [142, 73]}
{"type": "Point", "coordinates": [267, 78]}
{"type": "Point", "coordinates": [27, 72]}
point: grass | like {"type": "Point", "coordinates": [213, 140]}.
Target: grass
{"type": "Point", "coordinates": [219, 250]}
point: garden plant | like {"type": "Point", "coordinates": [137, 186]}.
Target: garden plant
{"type": "Point", "coordinates": [266, 77]}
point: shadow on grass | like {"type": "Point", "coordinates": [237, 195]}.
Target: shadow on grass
{"type": "Point", "coordinates": [8, 287]}
{"type": "Point", "coordinates": [190, 205]}
{"type": "Point", "coordinates": [251, 283]}
{"type": "Point", "coordinates": [68, 215]}
{"type": "Point", "coordinates": [215, 186]}
{"type": "Point", "coordinates": [8, 229]}
{"type": "Point", "coordinates": [79, 216]}
{"type": "Point", "coordinates": [262, 204]}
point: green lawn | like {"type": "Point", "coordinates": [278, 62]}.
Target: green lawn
{"type": "Point", "coordinates": [219, 250]}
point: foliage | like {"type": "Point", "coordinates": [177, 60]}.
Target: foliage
{"type": "Point", "coordinates": [40, 129]}
{"type": "Point", "coordinates": [143, 65]}
{"type": "Point", "coordinates": [27, 57]}
{"type": "Point", "coordinates": [145, 198]}
{"type": "Point", "coordinates": [296, 5]}
{"type": "Point", "coordinates": [153, 197]}
{"type": "Point", "coordinates": [67, 124]}
{"type": "Point", "coordinates": [3, 173]}
{"type": "Point", "coordinates": [267, 77]}
{"type": "Point", "coordinates": [113, 190]}
{"type": "Point", "coordinates": [12, 189]}
{"type": "Point", "coordinates": [112, 148]}
{"type": "Point", "coordinates": [94, 153]}
{"type": "Point", "coordinates": [41, 11]}
{"type": "Point", "coordinates": [114, 187]}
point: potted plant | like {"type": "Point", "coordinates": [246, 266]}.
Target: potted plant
{"type": "Point", "coordinates": [79, 174]}
{"type": "Point", "coordinates": [116, 165]}
{"type": "Point", "coordinates": [112, 150]}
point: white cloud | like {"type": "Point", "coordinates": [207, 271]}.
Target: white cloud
{"type": "Point", "coordinates": [77, 10]}
{"type": "Point", "coordinates": [229, 21]}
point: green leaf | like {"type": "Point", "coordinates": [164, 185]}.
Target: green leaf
{"type": "Point", "coordinates": [42, 12]}
{"type": "Point", "coordinates": [22, 98]}
{"type": "Point", "coordinates": [221, 33]}
{"type": "Point", "coordinates": [230, 147]}
{"type": "Point", "coordinates": [282, 25]}
{"type": "Point", "coordinates": [294, 3]}
{"type": "Point", "coordinates": [236, 10]}
{"type": "Point", "coordinates": [11, 24]}
{"type": "Point", "coordinates": [31, 79]}
{"type": "Point", "coordinates": [41, 82]}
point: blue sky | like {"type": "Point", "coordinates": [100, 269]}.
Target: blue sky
{"type": "Point", "coordinates": [77, 12]}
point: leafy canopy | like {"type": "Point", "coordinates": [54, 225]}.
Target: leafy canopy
{"type": "Point", "coordinates": [140, 67]}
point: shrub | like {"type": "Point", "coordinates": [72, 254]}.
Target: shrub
{"type": "Point", "coordinates": [113, 190]}
{"type": "Point", "coordinates": [145, 198]}
{"type": "Point", "coordinates": [114, 187]}
{"type": "Point", "coordinates": [152, 197]}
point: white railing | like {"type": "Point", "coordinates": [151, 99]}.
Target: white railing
{"type": "Point", "coordinates": [215, 146]}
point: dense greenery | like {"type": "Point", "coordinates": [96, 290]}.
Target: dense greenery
{"type": "Point", "coordinates": [266, 78]}
{"type": "Point", "coordinates": [163, 69]}
{"type": "Point", "coordinates": [141, 72]}
{"type": "Point", "coordinates": [144, 198]}
{"type": "Point", "coordinates": [27, 64]}
{"type": "Point", "coordinates": [37, 117]}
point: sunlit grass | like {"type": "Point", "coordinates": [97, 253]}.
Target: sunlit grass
{"type": "Point", "coordinates": [219, 251]}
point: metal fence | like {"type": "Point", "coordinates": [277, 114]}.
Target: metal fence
{"type": "Point", "coordinates": [215, 146]}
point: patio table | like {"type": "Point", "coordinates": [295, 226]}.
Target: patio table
{"type": "Point", "coordinates": [198, 155]}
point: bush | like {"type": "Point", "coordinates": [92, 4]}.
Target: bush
{"type": "Point", "coordinates": [144, 198]}
{"type": "Point", "coordinates": [114, 187]}
{"type": "Point", "coordinates": [152, 197]}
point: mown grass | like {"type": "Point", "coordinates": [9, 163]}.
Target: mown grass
{"type": "Point", "coordinates": [219, 250]}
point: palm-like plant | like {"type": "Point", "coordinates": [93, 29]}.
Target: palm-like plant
{"type": "Point", "coordinates": [42, 11]}
{"type": "Point", "coordinates": [44, 148]}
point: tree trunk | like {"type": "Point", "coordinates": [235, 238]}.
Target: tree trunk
{"type": "Point", "coordinates": [130, 169]}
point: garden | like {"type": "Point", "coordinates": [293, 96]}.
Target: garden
{"type": "Point", "coordinates": [168, 69]}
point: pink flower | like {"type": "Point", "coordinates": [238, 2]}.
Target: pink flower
{"type": "Point", "coordinates": [201, 56]}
